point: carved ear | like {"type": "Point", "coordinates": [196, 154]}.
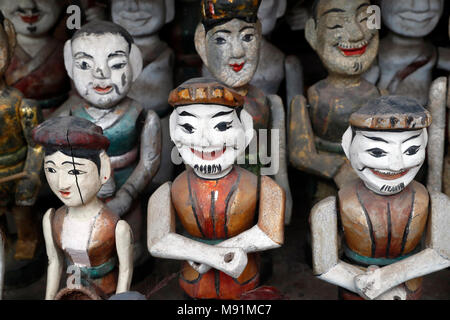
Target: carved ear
{"type": "Point", "coordinates": [11, 33]}
{"type": "Point", "coordinates": [200, 42]}
{"type": "Point", "coordinates": [311, 33]}
{"type": "Point", "coordinates": [68, 58]}
{"type": "Point", "coordinates": [170, 10]}
{"type": "Point", "coordinates": [347, 141]}
{"type": "Point", "coordinates": [105, 167]}
{"type": "Point", "coordinates": [281, 10]}
{"type": "Point", "coordinates": [247, 122]}
{"type": "Point", "coordinates": [136, 61]}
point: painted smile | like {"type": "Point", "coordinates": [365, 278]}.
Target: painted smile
{"type": "Point", "coordinates": [64, 194]}
{"type": "Point", "coordinates": [237, 67]}
{"type": "Point", "coordinates": [209, 156]}
{"type": "Point", "coordinates": [103, 90]}
{"type": "Point", "coordinates": [389, 175]}
{"type": "Point", "coordinates": [30, 19]}
{"type": "Point", "coordinates": [353, 51]}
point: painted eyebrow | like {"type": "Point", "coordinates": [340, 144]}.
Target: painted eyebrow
{"type": "Point", "coordinates": [83, 55]}
{"type": "Point", "coordinates": [412, 138]}
{"type": "Point", "coordinates": [186, 114]}
{"type": "Point", "coordinates": [247, 27]}
{"type": "Point", "coordinates": [222, 30]}
{"type": "Point", "coordinates": [50, 162]}
{"type": "Point", "coordinates": [72, 163]}
{"type": "Point", "coordinates": [333, 10]}
{"type": "Point", "coordinates": [362, 6]}
{"type": "Point", "coordinates": [221, 114]}
{"type": "Point", "coordinates": [117, 53]}
{"type": "Point", "coordinates": [376, 139]}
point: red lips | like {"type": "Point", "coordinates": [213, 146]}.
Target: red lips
{"type": "Point", "coordinates": [209, 155]}
{"type": "Point", "coordinates": [30, 19]}
{"type": "Point", "coordinates": [354, 52]}
{"type": "Point", "coordinates": [237, 67]}
{"type": "Point", "coordinates": [390, 176]}
{"type": "Point", "coordinates": [65, 194]}
{"type": "Point", "coordinates": [103, 90]}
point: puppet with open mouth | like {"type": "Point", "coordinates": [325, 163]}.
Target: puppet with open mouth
{"type": "Point", "coordinates": [384, 214]}
{"type": "Point", "coordinates": [214, 199]}
{"type": "Point", "coordinates": [339, 32]}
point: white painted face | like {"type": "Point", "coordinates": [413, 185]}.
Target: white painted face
{"type": "Point", "coordinates": [101, 68]}
{"type": "Point", "coordinates": [232, 52]}
{"type": "Point", "coordinates": [386, 161]}
{"type": "Point", "coordinates": [75, 181]}
{"type": "Point", "coordinates": [413, 18]}
{"type": "Point", "coordinates": [139, 17]}
{"type": "Point", "coordinates": [32, 17]}
{"type": "Point", "coordinates": [269, 12]}
{"type": "Point", "coordinates": [210, 137]}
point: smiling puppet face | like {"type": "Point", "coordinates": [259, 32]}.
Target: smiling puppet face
{"type": "Point", "coordinates": [386, 142]}
{"type": "Point", "coordinates": [414, 18]}
{"type": "Point", "coordinates": [340, 35]}
{"type": "Point", "coordinates": [142, 17]}
{"type": "Point", "coordinates": [210, 137]}
{"type": "Point", "coordinates": [387, 162]}
{"type": "Point", "coordinates": [32, 17]}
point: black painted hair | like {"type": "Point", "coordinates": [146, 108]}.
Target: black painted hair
{"type": "Point", "coordinates": [314, 10]}
{"type": "Point", "coordinates": [211, 25]}
{"type": "Point", "coordinates": [103, 27]}
{"type": "Point", "coordinates": [2, 18]}
{"type": "Point", "coordinates": [92, 155]}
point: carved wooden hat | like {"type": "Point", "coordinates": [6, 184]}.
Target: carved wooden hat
{"type": "Point", "coordinates": [391, 113]}
{"type": "Point", "coordinates": [70, 133]}
{"type": "Point", "coordinates": [217, 11]}
{"type": "Point", "coordinates": [205, 91]}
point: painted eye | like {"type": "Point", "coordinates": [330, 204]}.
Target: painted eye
{"type": "Point", "coordinates": [364, 19]}
{"type": "Point", "coordinates": [338, 26]}
{"type": "Point", "coordinates": [377, 152]}
{"type": "Point", "coordinates": [118, 66]}
{"type": "Point", "coordinates": [51, 170]}
{"type": "Point", "coordinates": [248, 37]}
{"type": "Point", "coordinates": [188, 128]}
{"type": "Point", "coordinates": [220, 41]}
{"type": "Point", "coordinates": [223, 126]}
{"type": "Point", "coordinates": [84, 65]}
{"type": "Point", "coordinates": [76, 172]}
{"type": "Point", "coordinates": [412, 150]}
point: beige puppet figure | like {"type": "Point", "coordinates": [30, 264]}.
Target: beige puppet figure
{"type": "Point", "coordinates": [339, 33]}
{"type": "Point", "coordinates": [228, 41]}
{"type": "Point", "coordinates": [95, 243]}
{"type": "Point", "coordinates": [384, 215]}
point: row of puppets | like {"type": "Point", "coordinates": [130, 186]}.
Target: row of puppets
{"type": "Point", "coordinates": [98, 115]}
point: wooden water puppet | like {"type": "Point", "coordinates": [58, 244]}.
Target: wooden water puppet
{"type": "Point", "coordinates": [406, 60]}
{"type": "Point", "coordinates": [37, 67]}
{"type": "Point", "coordinates": [339, 33]}
{"type": "Point", "coordinates": [153, 86]}
{"type": "Point", "coordinates": [229, 40]}
{"type": "Point", "coordinates": [215, 200]}
{"type": "Point", "coordinates": [20, 161]}
{"type": "Point", "coordinates": [104, 62]}
{"type": "Point", "coordinates": [96, 244]}
{"type": "Point", "coordinates": [385, 213]}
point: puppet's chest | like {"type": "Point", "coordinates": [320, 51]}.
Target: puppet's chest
{"type": "Point", "coordinates": [382, 227]}
{"type": "Point", "coordinates": [215, 209]}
